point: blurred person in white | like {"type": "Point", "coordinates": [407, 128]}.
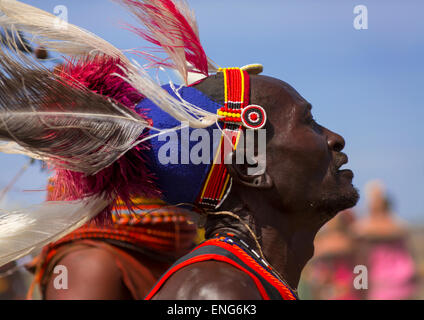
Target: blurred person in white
{"type": "Point", "coordinates": [383, 249]}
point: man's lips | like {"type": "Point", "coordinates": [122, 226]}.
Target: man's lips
{"type": "Point", "coordinates": [341, 160]}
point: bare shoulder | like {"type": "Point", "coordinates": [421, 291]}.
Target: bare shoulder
{"type": "Point", "coordinates": [88, 274]}
{"type": "Point", "coordinates": [209, 280]}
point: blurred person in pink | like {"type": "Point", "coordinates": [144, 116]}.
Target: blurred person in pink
{"type": "Point", "coordinates": [384, 250]}
{"type": "Point", "coordinates": [329, 276]}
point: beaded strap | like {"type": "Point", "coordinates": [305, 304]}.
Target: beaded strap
{"type": "Point", "coordinates": [236, 83]}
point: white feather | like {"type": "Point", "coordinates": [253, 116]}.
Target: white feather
{"type": "Point", "coordinates": [27, 230]}
{"type": "Point", "coordinates": [47, 31]}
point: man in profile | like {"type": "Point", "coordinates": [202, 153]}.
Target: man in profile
{"type": "Point", "coordinates": [257, 247]}
{"type": "Point", "coordinates": [260, 228]}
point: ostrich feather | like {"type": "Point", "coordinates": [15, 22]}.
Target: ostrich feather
{"type": "Point", "coordinates": [172, 26]}
{"type": "Point", "coordinates": [27, 230]}
{"type": "Point", "coordinates": [70, 125]}
{"type": "Point", "coordinates": [49, 32]}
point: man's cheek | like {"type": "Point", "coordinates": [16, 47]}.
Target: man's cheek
{"type": "Point", "coordinates": [317, 160]}
{"type": "Point", "coordinates": [310, 145]}
{"type": "Point", "coordinates": [318, 154]}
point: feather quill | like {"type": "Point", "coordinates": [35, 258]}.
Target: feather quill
{"type": "Point", "coordinates": [27, 230]}
{"type": "Point", "coordinates": [70, 125]}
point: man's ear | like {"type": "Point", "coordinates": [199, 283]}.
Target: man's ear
{"type": "Point", "coordinates": [240, 173]}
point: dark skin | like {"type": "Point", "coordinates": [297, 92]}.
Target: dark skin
{"type": "Point", "coordinates": [94, 275]}
{"type": "Point", "coordinates": [301, 189]}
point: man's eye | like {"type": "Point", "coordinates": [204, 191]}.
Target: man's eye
{"type": "Point", "coordinates": [310, 120]}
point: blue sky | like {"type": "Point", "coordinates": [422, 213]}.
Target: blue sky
{"type": "Point", "coordinates": [366, 85]}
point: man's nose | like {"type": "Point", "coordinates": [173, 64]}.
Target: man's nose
{"type": "Point", "coordinates": [335, 141]}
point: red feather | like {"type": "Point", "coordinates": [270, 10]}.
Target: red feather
{"type": "Point", "coordinates": [129, 176]}
{"type": "Point", "coordinates": [169, 28]}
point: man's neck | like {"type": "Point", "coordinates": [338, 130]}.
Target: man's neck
{"type": "Point", "coordinates": [286, 242]}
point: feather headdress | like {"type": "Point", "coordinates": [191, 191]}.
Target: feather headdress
{"type": "Point", "coordinates": [173, 28]}
{"type": "Point", "coordinates": [80, 117]}
{"type": "Point", "coordinates": [88, 137]}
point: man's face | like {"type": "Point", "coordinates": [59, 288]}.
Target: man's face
{"type": "Point", "coordinates": [303, 158]}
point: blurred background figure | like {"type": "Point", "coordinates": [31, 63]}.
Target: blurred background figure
{"type": "Point", "coordinates": [383, 247]}
{"type": "Point", "coordinates": [391, 251]}
{"type": "Point", "coordinates": [329, 275]}
{"type": "Point", "coordinates": [14, 282]}
{"type": "Point", "coordinates": [120, 260]}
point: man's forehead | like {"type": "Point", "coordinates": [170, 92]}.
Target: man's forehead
{"type": "Point", "coordinates": [298, 100]}
{"type": "Point", "coordinates": [270, 92]}
{"type": "Point", "coordinates": [274, 86]}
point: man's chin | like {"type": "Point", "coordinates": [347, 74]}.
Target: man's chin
{"type": "Point", "coordinates": [333, 202]}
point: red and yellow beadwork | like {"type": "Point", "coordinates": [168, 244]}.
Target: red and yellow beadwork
{"type": "Point", "coordinates": [236, 100]}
